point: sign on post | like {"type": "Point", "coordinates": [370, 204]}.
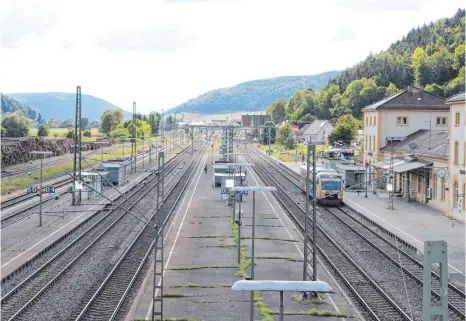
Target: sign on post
{"type": "Point", "coordinates": [32, 189]}
{"type": "Point", "coordinates": [45, 189]}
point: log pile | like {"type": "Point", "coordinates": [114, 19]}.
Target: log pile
{"type": "Point", "coordinates": [17, 150]}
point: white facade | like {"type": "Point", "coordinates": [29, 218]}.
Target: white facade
{"type": "Point", "coordinates": [381, 125]}
{"type": "Point", "coordinates": [320, 135]}
{"type": "Point", "coordinates": [457, 160]}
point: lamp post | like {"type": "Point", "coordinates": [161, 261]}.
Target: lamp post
{"type": "Point", "coordinates": [365, 179]}
{"type": "Point", "coordinates": [40, 188]}
{"type": "Point", "coordinates": [253, 189]}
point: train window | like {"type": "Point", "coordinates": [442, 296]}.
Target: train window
{"type": "Point", "coordinates": [334, 185]}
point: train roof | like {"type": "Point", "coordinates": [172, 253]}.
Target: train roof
{"type": "Point", "coordinates": [335, 173]}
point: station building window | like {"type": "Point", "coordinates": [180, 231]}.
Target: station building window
{"type": "Point", "coordinates": [441, 121]}
{"type": "Point", "coordinates": [457, 119]}
{"type": "Point", "coordinates": [375, 121]}
{"type": "Point", "coordinates": [434, 187]}
{"type": "Point", "coordinates": [456, 194]}
{"type": "Point", "coordinates": [402, 121]}
{"type": "Point", "coordinates": [456, 152]}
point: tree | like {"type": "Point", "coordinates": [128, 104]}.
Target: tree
{"type": "Point", "coordinates": [68, 123]}
{"type": "Point", "coordinates": [110, 120]}
{"type": "Point", "coordinates": [345, 130]}
{"type": "Point", "coordinates": [84, 123]}
{"type": "Point", "coordinates": [87, 133]}
{"type": "Point", "coordinates": [3, 131]}
{"type": "Point", "coordinates": [283, 133]}
{"type": "Point", "coordinates": [391, 90]}
{"type": "Point", "coordinates": [306, 119]}
{"type": "Point", "coordinates": [154, 122]}
{"type": "Point", "coordinates": [435, 89]}
{"type": "Point", "coordinates": [120, 132]}
{"type": "Point", "coordinates": [43, 130]}
{"type": "Point", "coordinates": [39, 118]}
{"type": "Point", "coordinates": [70, 133]}
{"type": "Point", "coordinates": [15, 125]}
{"type": "Point", "coordinates": [277, 110]}
{"type": "Point", "coordinates": [265, 133]}
{"type": "Point", "coordinates": [54, 123]}
{"type": "Point", "coordinates": [169, 123]}
{"type": "Point", "coordinates": [94, 124]}
{"type": "Point", "coordinates": [420, 67]}
{"type": "Point", "coordinates": [289, 142]}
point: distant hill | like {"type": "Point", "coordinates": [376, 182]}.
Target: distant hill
{"type": "Point", "coordinates": [62, 105]}
{"type": "Point", "coordinates": [10, 105]}
{"type": "Point", "coordinates": [252, 95]}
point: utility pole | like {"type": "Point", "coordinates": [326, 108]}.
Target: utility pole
{"type": "Point", "coordinates": [133, 141]}
{"type": "Point", "coordinates": [308, 235]}
{"type": "Point", "coordinates": [43, 154]}
{"type": "Point", "coordinates": [390, 181]}
{"type": "Point", "coordinates": [77, 157]}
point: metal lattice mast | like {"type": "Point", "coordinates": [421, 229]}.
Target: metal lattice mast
{"type": "Point", "coordinates": [230, 142]}
{"type": "Point", "coordinates": [134, 140]}
{"type": "Point", "coordinates": [157, 306]}
{"type": "Point", "coordinates": [77, 157]}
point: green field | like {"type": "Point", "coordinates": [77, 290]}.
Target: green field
{"type": "Point", "coordinates": [61, 132]}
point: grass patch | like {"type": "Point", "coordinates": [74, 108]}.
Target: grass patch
{"type": "Point", "coordinates": [268, 238]}
{"type": "Point", "coordinates": [185, 268]}
{"type": "Point", "coordinates": [223, 244]}
{"type": "Point", "coordinates": [299, 299]}
{"type": "Point", "coordinates": [260, 305]}
{"type": "Point", "coordinates": [175, 295]}
{"type": "Point", "coordinates": [322, 313]}
{"type": "Point", "coordinates": [226, 285]}
{"type": "Point", "coordinates": [193, 285]}
{"type": "Point", "coordinates": [279, 258]}
{"type": "Point", "coordinates": [12, 184]}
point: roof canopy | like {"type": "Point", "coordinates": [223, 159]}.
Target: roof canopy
{"type": "Point", "coordinates": [292, 286]}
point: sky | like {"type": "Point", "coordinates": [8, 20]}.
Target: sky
{"type": "Point", "coordinates": [160, 53]}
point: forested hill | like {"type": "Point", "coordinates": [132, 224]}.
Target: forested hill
{"type": "Point", "coordinates": [9, 105]}
{"type": "Point", "coordinates": [252, 95]}
{"type": "Point", "coordinates": [431, 56]}
{"type": "Point", "coordinates": [62, 105]}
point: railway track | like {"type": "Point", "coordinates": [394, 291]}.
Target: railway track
{"type": "Point", "coordinates": [112, 227]}
{"type": "Point", "coordinates": [25, 211]}
{"type": "Point", "coordinates": [411, 267]}
{"type": "Point", "coordinates": [106, 302]}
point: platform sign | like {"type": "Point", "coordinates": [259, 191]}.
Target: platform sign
{"type": "Point", "coordinates": [45, 189]}
{"type": "Point", "coordinates": [32, 189]}
{"type": "Point", "coordinates": [225, 190]}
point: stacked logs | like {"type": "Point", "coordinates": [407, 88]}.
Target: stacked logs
{"type": "Point", "coordinates": [17, 150]}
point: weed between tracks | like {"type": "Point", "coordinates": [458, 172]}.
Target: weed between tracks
{"type": "Point", "coordinates": [175, 295]}
{"type": "Point", "coordinates": [193, 285]}
{"type": "Point", "coordinates": [268, 238]}
{"type": "Point", "coordinates": [206, 236]}
{"type": "Point", "coordinates": [291, 259]}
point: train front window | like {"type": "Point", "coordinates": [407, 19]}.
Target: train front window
{"type": "Point", "coordinates": [334, 185]}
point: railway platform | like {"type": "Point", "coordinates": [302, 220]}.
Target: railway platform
{"type": "Point", "coordinates": [24, 239]}
{"type": "Point", "coordinates": [412, 222]}
{"type": "Point", "coordinates": [201, 261]}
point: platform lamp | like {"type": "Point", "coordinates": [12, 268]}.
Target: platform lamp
{"type": "Point", "coordinates": [43, 153]}
{"type": "Point", "coordinates": [253, 189]}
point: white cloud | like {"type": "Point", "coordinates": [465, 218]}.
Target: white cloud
{"type": "Point", "coordinates": [381, 5]}
{"type": "Point", "coordinates": [344, 34]}
{"type": "Point", "coordinates": [22, 18]}
{"type": "Point", "coordinates": [164, 38]}
{"type": "Point", "coordinates": [161, 54]}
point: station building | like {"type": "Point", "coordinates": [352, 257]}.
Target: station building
{"type": "Point", "coordinates": [392, 119]}
{"type": "Point", "coordinates": [457, 155]}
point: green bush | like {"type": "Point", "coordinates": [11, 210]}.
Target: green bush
{"type": "Point", "coordinates": [43, 130]}
{"type": "Point", "coordinates": [87, 133]}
